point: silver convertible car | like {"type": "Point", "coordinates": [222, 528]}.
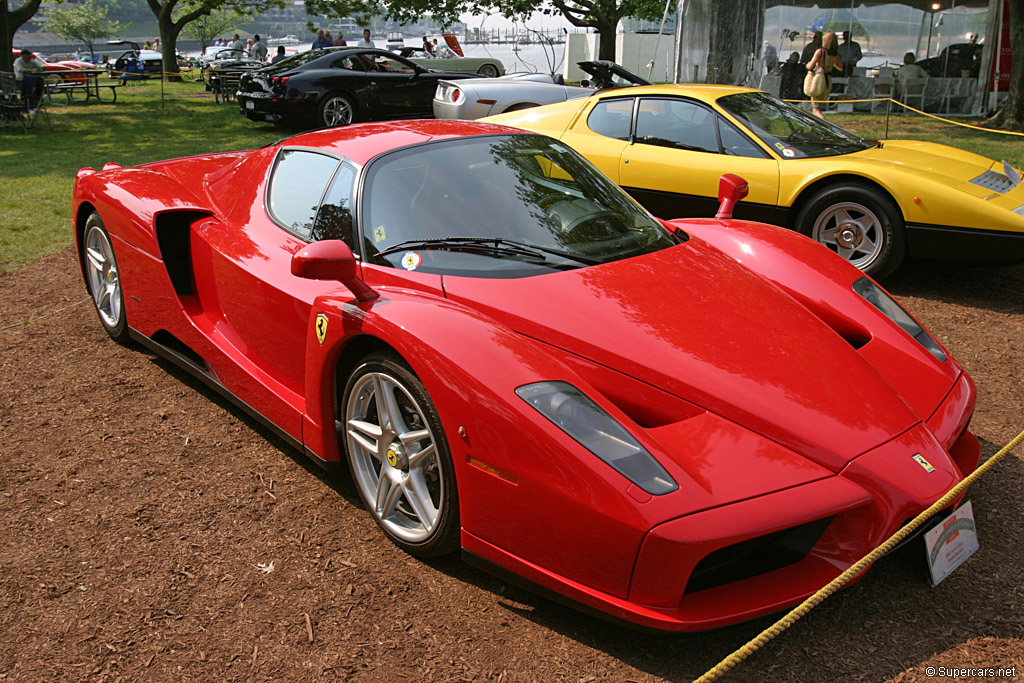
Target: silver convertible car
{"type": "Point", "coordinates": [474, 98]}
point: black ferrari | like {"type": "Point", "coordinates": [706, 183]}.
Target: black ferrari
{"type": "Point", "coordinates": [337, 86]}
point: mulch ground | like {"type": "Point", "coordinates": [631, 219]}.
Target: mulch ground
{"type": "Point", "coordinates": [150, 531]}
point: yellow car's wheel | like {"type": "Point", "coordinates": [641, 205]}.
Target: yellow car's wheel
{"type": "Point", "coordinates": [859, 223]}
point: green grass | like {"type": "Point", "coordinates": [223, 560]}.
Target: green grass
{"type": "Point", "coordinates": [37, 170]}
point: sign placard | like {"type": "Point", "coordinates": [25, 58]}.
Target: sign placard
{"type": "Point", "coordinates": [951, 542]}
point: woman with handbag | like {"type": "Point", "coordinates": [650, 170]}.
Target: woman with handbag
{"type": "Point", "coordinates": [818, 81]}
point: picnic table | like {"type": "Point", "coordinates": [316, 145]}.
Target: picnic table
{"type": "Point", "coordinates": [81, 85]}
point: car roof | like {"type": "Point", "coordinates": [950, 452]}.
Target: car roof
{"type": "Point", "coordinates": [708, 92]}
{"type": "Point", "coordinates": [361, 142]}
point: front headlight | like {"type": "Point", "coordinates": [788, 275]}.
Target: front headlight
{"type": "Point", "coordinates": [594, 429]}
{"type": "Point", "coordinates": [894, 312]}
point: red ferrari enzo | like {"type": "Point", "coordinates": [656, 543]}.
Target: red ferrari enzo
{"type": "Point", "coordinates": [678, 424]}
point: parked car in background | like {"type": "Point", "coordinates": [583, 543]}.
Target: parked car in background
{"type": "Point", "coordinates": [680, 425]}
{"type": "Point", "coordinates": [872, 203]}
{"type": "Point", "coordinates": [135, 60]}
{"type": "Point", "coordinates": [474, 99]}
{"type": "Point", "coordinates": [223, 68]}
{"type": "Point", "coordinates": [488, 67]}
{"type": "Point", "coordinates": [337, 86]}
{"type": "Point", "coordinates": [954, 61]}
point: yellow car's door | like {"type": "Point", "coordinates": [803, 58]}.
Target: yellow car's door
{"type": "Point", "coordinates": [673, 155]}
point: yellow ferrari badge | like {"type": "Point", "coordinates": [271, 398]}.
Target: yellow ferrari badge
{"type": "Point", "coordinates": [924, 463]}
{"type": "Point", "coordinates": [392, 457]}
{"type": "Point", "coordinates": [321, 327]}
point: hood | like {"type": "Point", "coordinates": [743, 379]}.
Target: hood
{"type": "Point", "coordinates": [696, 324]}
{"type": "Point", "coordinates": [944, 164]}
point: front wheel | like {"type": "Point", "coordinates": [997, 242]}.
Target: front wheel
{"type": "Point", "coordinates": [488, 71]}
{"type": "Point", "coordinates": [859, 223]}
{"type": "Point", "coordinates": [337, 110]}
{"type": "Point", "coordinates": [103, 278]}
{"type": "Point", "coordinates": [399, 457]}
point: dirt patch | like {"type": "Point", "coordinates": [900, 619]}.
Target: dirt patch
{"type": "Point", "coordinates": [153, 532]}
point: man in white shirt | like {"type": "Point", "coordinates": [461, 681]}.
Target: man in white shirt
{"type": "Point", "coordinates": [908, 71]}
{"type": "Point", "coordinates": [365, 42]}
{"type": "Point", "coordinates": [259, 49]}
{"type": "Point", "coordinates": [237, 47]}
{"type": "Point", "coordinates": [29, 69]}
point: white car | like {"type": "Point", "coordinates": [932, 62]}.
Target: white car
{"type": "Point", "coordinates": [476, 98]}
{"type": "Point", "coordinates": [488, 67]}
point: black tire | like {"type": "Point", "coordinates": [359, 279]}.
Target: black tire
{"type": "Point", "coordinates": [859, 222]}
{"type": "Point", "coordinates": [414, 500]}
{"type": "Point", "coordinates": [488, 71]}
{"type": "Point", "coordinates": [336, 109]}
{"type": "Point", "coordinates": [102, 278]}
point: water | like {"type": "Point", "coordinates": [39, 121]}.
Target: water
{"type": "Point", "coordinates": [534, 57]}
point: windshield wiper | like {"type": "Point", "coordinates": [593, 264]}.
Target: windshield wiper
{"type": "Point", "coordinates": [495, 245]}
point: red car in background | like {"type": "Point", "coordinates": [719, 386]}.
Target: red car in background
{"type": "Point", "coordinates": [679, 424]}
{"type": "Point", "coordinates": [60, 66]}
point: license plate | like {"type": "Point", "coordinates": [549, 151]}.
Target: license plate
{"type": "Point", "coordinates": [249, 104]}
{"type": "Point", "coordinates": [951, 542]}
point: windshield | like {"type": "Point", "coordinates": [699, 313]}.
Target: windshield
{"type": "Point", "coordinates": [499, 206]}
{"type": "Point", "coordinates": [790, 131]}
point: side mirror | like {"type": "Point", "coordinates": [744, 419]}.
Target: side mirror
{"type": "Point", "coordinates": [731, 189]}
{"type": "Point", "coordinates": [331, 260]}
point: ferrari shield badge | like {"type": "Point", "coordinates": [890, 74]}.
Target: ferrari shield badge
{"type": "Point", "coordinates": [411, 260]}
{"type": "Point", "coordinates": [927, 466]}
{"type": "Point", "coordinates": [321, 327]}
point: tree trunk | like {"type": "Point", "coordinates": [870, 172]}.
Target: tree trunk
{"type": "Point", "coordinates": [10, 22]}
{"type": "Point", "coordinates": [606, 38]}
{"type": "Point", "coordinates": [169, 42]}
{"type": "Point", "coordinates": [1011, 115]}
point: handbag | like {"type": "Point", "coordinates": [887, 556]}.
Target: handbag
{"type": "Point", "coordinates": [815, 85]}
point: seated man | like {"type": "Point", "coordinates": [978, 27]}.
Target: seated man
{"type": "Point", "coordinates": [910, 69]}
{"type": "Point", "coordinates": [29, 70]}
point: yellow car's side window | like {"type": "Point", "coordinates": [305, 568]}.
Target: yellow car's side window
{"type": "Point", "coordinates": [612, 118]}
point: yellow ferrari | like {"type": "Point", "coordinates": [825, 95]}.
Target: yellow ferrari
{"type": "Point", "coordinates": [873, 203]}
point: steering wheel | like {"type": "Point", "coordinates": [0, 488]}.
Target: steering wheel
{"type": "Point", "coordinates": [594, 221]}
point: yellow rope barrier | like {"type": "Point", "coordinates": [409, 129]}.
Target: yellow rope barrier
{"type": "Point", "coordinates": [810, 603]}
{"type": "Point", "coordinates": [918, 111]}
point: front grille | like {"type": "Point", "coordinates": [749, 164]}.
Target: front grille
{"type": "Point", "coordinates": [992, 180]}
{"type": "Point", "coordinates": [756, 556]}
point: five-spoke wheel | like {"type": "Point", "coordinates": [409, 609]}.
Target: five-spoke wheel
{"type": "Point", "coordinates": [399, 457]}
{"type": "Point", "coordinates": [337, 110]}
{"type": "Point", "coordinates": [859, 223]}
{"type": "Point", "coordinates": [103, 278]}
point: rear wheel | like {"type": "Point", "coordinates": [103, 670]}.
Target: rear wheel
{"type": "Point", "coordinates": [399, 457]}
{"type": "Point", "coordinates": [103, 279]}
{"type": "Point", "coordinates": [488, 71]}
{"type": "Point", "coordinates": [858, 222]}
{"type": "Point", "coordinates": [337, 110]}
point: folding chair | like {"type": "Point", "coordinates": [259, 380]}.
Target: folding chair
{"type": "Point", "coordinates": [912, 93]}
{"type": "Point", "coordinates": [882, 87]}
{"type": "Point", "coordinates": [12, 109]}
{"type": "Point", "coordinates": [35, 109]}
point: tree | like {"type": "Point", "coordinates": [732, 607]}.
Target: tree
{"type": "Point", "coordinates": [86, 22]}
{"type": "Point", "coordinates": [217, 23]}
{"type": "Point", "coordinates": [10, 21]}
{"type": "Point", "coordinates": [603, 15]}
{"type": "Point", "coordinates": [173, 20]}
{"type": "Point", "coordinates": [1011, 115]}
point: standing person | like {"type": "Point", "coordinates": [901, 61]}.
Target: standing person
{"type": "Point", "coordinates": [850, 53]}
{"type": "Point", "coordinates": [28, 69]}
{"type": "Point", "coordinates": [825, 59]}
{"type": "Point", "coordinates": [237, 47]}
{"type": "Point", "coordinates": [279, 56]}
{"type": "Point", "coordinates": [321, 40]}
{"type": "Point", "coordinates": [792, 78]}
{"type": "Point", "coordinates": [811, 47]}
{"type": "Point", "coordinates": [366, 41]}
{"type": "Point", "coordinates": [259, 49]}
{"type": "Point", "coordinates": [329, 38]}
{"type": "Point", "coordinates": [340, 41]}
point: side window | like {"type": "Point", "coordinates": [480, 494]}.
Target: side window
{"type": "Point", "coordinates": [334, 219]}
{"type": "Point", "coordinates": [736, 143]}
{"type": "Point", "coordinates": [676, 123]}
{"type": "Point", "coordinates": [298, 183]}
{"type": "Point", "coordinates": [611, 118]}
{"type": "Point", "coordinates": [351, 62]}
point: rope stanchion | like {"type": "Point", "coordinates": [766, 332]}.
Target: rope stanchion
{"type": "Point", "coordinates": [810, 603]}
